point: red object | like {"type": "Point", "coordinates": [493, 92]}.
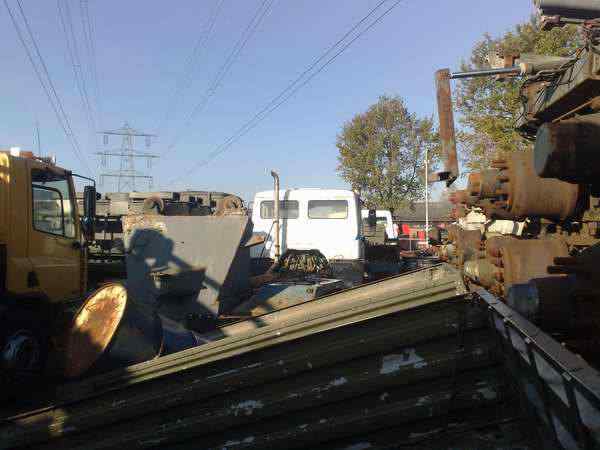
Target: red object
{"type": "Point", "coordinates": [421, 235]}
{"type": "Point", "coordinates": [405, 229]}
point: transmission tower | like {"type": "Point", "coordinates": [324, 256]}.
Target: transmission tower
{"type": "Point", "coordinates": [126, 174]}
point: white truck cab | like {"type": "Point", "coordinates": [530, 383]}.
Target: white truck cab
{"type": "Point", "coordinates": [311, 218]}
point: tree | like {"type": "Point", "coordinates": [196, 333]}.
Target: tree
{"type": "Point", "coordinates": [488, 109]}
{"type": "Point", "coordinates": [381, 153]}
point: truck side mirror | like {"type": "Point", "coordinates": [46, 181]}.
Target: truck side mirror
{"type": "Point", "coordinates": [89, 212]}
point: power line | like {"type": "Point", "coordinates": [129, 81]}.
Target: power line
{"type": "Point", "coordinates": [294, 86]}
{"type": "Point", "coordinates": [55, 102]}
{"type": "Point", "coordinates": [186, 78]}
{"type": "Point", "coordinates": [89, 33]}
{"type": "Point", "coordinates": [73, 51]}
{"type": "Point", "coordinates": [237, 49]}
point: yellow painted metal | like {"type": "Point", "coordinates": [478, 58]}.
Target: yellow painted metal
{"type": "Point", "coordinates": [17, 212]}
{"type": "Point", "coordinates": [39, 265]}
{"type": "Point", "coordinates": [4, 194]}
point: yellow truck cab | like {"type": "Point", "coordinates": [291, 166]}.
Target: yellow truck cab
{"type": "Point", "coordinates": [42, 252]}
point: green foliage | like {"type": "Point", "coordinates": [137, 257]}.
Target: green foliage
{"type": "Point", "coordinates": [489, 108]}
{"type": "Point", "coordinates": [381, 153]}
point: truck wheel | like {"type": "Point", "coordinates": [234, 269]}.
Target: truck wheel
{"type": "Point", "coordinates": [24, 339]}
{"type": "Point", "coordinates": [22, 351]}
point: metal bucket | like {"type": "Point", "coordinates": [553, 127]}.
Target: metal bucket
{"type": "Point", "coordinates": [111, 331]}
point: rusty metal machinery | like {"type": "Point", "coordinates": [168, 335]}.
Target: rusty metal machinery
{"type": "Point", "coordinates": [110, 331]}
{"type": "Point", "coordinates": [548, 272]}
{"type": "Point", "coordinates": [516, 191]}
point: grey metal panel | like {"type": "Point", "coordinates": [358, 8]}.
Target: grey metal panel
{"type": "Point", "coordinates": [187, 265]}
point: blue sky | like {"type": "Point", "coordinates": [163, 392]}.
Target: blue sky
{"type": "Point", "coordinates": [142, 47]}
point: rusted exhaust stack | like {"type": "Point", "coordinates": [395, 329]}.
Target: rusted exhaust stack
{"type": "Point", "coordinates": [276, 214]}
{"type": "Point", "coordinates": [446, 117]}
{"type": "Point", "coordinates": [446, 127]}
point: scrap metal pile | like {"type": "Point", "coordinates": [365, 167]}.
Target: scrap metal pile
{"type": "Point", "coordinates": [538, 245]}
{"type": "Point", "coordinates": [107, 252]}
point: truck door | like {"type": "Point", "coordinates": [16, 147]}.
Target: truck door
{"type": "Point", "coordinates": [54, 250]}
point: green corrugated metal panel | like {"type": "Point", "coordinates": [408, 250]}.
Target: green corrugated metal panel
{"type": "Point", "coordinates": [353, 306]}
{"type": "Point", "coordinates": [377, 410]}
{"type": "Point", "coordinates": [497, 428]}
{"type": "Point", "coordinates": [312, 388]}
{"type": "Point", "coordinates": [395, 337]}
{"type": "Point", "coordinates": [262, 367]}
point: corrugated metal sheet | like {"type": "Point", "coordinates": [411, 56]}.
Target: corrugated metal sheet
{"type": "Point", "coordinates": [377, 360]}
{"type": "Point", "coordinates": [559, 389]}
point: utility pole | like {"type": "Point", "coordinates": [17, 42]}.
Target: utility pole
{"type": "Point", "coordinates": [126, 174]}
{"type": "Point", "coordinates": [37, 134]}
{"type": "Point", "coordinates": [426, 194]}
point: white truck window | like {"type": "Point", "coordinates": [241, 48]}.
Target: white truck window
{"type": "Point", "coordinates": [327, 209]}
{"type": "Point", "coordinates": [288, 209]}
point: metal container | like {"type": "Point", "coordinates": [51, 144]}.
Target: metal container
{"type": "Point", "coordinates": [111, 331]}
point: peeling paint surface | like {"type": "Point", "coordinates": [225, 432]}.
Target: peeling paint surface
{"type": "Point", "coordinates": [393, 363]}
{"type": "Point", "coordinates": [222, 374]}
{"type": "Point", "coordinates": [248, 440]}
{"type": "Point", "coordinates": [487, 393]}
{"type": "Point", "coordinates": [333, 383]}
{"type": "Point", "coordinates": [338, 381]}
{"type": "Point", "coordinates": [247, 407]}
{"type": "Point", "coordinates": [427, 433]}
{"type": "Point", "coordinates": [359, 446]}
{"type": "Point", "coordinates": [152, 441]}
{"type": "Point", "coordinates": [423, 400]}
{"type": "Point", "coordinates": [478, 351]}
{"type": "Point", "coordinates": [253, 366]}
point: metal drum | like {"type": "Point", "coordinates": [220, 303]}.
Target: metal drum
{"type": "Point", "coordinates": [110, 331]}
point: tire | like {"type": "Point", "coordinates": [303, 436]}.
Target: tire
{"type": "Point", "coordinates": [25, 339]}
